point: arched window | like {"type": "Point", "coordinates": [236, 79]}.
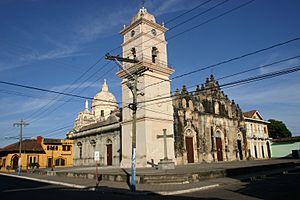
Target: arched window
{"type": "Point", "coordinates": [154, 54]}
{"type": "Point", "coordinates": [133, 51]}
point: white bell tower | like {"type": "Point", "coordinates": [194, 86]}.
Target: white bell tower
{"type": "Point", "coordinates": [144, 40]}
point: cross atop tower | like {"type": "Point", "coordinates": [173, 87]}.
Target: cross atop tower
{"type": "Point", "coordinates": [143, 3]}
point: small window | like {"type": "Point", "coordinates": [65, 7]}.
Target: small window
{"type": "Point", "coordinates": [132, 33]}
{"type": "Point", "coordinates": [133, 51]}
{"type": "Point", "coordinates": [66, 147]}
{"type": "Point", "coordinates": [60, 162]}
{"type": "Point", "coordinates": [154, 54]}
{"type": "Point", "coordinates": [80, 152]}
{"type": "Point", "coordinates": [102, 113]}
{"type": "Point", "coordinates": [265, 129]}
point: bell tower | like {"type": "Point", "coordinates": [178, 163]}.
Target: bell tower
{"type": "Point", "coordinates": [144, 40]}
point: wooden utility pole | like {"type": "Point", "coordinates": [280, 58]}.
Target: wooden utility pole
{"type": "Point", "coordinates": [20, 124]}
{"type": "Point", "coordinates": [132, 85]}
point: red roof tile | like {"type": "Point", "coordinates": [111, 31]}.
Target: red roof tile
{"type": "Point", "coordinates": [27, 146]}
{"type": "Point", "coordinates": [249, 114]}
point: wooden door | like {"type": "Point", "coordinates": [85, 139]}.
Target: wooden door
{"type": "Point", "coordinates": [189, 149]}
{"type": "Point", "coordinates": [109, 154]}
{"type": "Point", "coordinates": [239, 144]}
{"type": "Point", "coordinates": [50, 162]}
{"type": "Point", "coordinates": [219, 149]}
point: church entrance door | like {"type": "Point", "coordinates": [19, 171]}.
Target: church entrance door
{"type": "Point", "coordinates": [219, 149]}
{"type": "Point", "coordinates": [239, 144]}
{"type": "Point", "coordinates": [109, 154]}
{"type": "Point", "coordinates": [189, 149]}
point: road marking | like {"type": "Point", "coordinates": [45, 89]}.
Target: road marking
{"type": "Point", "coordinates": [188, 190]}
{"type": "Point", "coordinates": [46, 181]}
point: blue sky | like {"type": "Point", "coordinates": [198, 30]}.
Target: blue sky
{"type": "Point", "coordinates": [50, 44]}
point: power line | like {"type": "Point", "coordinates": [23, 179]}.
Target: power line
{"type": "Point", "coordinates": [15, 93]}
{"type": "Point", "coordinates": [172, 19]}
{"type": "Point", "coordinates": [69, 98]}
{"type": "Point", "coordinates": [150, 38]}
{"type": "Point", "coordinates": [248, 70]}
{"type": "Point", "coordinates": [51, 91]}
{"type": "Point", "coordinates": [176, 26]}
{"type": "Point", "coordinates": [223, 86]}
{"type": "Point", "coordinates": [234, 83]}
{"type": "Point", "coordinates": [227, 61]}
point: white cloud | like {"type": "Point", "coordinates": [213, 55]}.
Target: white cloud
{"type": "Point", "coordinates": [167, 6]}
{"type": "Point", "coordinates": [280, 66]}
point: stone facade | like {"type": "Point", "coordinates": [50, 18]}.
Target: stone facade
{"type": "Point", "coordinates": [207, 126]}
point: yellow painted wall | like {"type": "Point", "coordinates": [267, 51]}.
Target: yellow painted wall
{"type": "Point", "coordinates": [62, 152]}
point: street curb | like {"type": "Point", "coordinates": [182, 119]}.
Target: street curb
{"type": "Point", "coordinates": [163, 193]}
{"type": "Point", "coordinates": [46, 181]}
{"type": "Point", "coordinates": [188, 190]}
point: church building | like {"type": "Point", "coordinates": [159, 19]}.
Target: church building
{"type": "Point", "coordinates": [208, 126]}
{"type": "Point", "coordinates": [98, 130]}
{"type": "Point", "coordinates": [202, 126]}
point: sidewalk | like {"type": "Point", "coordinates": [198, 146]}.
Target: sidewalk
{"type": "Point", "coordinates": [123, 188]}
{"type": "Point", "coordinates": [238, 170]}
{"type": "Point", "coordinates": [181, 174]}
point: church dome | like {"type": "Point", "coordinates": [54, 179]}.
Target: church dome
{"type": "Point", "coordinates": [104, 102]}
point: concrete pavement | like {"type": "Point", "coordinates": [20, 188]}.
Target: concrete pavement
{"type": "Point", "coordinates": [232, 172]}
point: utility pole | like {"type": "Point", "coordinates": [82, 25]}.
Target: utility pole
{"type": "Point", "coordinates": [132, 85]}
{"type": "Point", "coordinates": [20, 124]}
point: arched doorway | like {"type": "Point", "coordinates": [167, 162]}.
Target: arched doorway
{"type": "Point", "coordinates": [14, 161]}
{"type": "Point", "coordinates": [189, 149]}
{"type": "Point", "coordinates": [189, 137]}
{"type": "Point", "coordinates": [219, 146]}
{"type": "Point", "coordinates": [109, 152]}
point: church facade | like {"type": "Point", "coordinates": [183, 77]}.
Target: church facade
{"type": "Point", "coordinates": [208, 127]}
{"type": "Point", "coordinates": [202, 126]}
{"type": "Point", "coordinates": [98, 130]}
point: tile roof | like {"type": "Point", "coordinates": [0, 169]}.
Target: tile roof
{"type": "Point", "coordinates": [249, 114]}
{"type": "Point", "coordinates": [27, 146]}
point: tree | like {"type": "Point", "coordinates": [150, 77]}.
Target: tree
{"type": "Point", "coordinates": [277, 129]}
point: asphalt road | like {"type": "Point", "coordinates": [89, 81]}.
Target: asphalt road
{"type": "Point", "coordinates": [286, 186]}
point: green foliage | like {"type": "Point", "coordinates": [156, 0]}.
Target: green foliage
{"type": "Point", "coordinates": [277, 129]}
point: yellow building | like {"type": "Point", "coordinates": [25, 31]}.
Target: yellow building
{"type": "Point", "coordinates": [40, 152]}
